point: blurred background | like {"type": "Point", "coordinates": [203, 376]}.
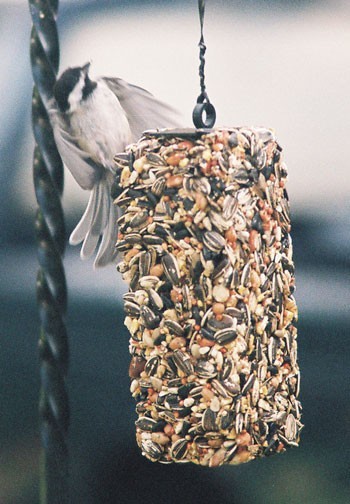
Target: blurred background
{"type": "Point", "coordinates": [283, 64]}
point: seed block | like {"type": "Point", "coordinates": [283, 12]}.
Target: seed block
{"type": "Point", "coordinates": [207, 254]}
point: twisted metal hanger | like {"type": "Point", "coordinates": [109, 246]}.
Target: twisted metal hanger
{"type": "Point", "coordinates": [204, 114]}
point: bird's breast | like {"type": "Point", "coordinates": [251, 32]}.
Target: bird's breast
{"type": "Point", "coordinates": [100, 126]}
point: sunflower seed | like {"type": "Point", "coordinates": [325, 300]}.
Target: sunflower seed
{"type": "Point", "coordinates": [225, 336]}
{"type": "Point", "coordinates": [149, 281]}
{"type": "Point", "coordinates": [179, 449]}
{"type": "Point", "coordinates": [209, 420]}
{"type": "Point", "coordinates": [132, 309]}
{"type": "Point", "coordinates": [183, 362]}
{"type": "Point", "coordinates": [291, 429]}
{"type": "Point", "coordinates": [214, 241]}
{"type": "Point", "coordinates": [227, 367]}
{"type": "Point", "coordinates": [205, 369]}
{"type": "Point", "coordinates": [174, 327]}
{"type": "Point", "coordinates": [138, 220]}
{"type": "Point", "coordinates": [229, 207]}
{"type": "Point", "coordinates": [201, 442]}
{"type": "Point", "coordinates": [152, 450]}
{"type": "Point", "coordinates": [245, 275]}
{"type": "Point", "coordinates": [149, 318]}
{"type": "Point", "coordinates": [151, 366]}
{"type": "Point", "coordinates": [220, 389]}
{"type": "Point", "coordinates": [221, 268]}
{"type": "Point", "coordinates": [239, 423]}
{"type": "Point", "coordinates": [219, 222]}
{"type": "Point", "coordinates": [168, 416]}
{"type": "Point", "coordinates": [152, 239]}
{"type": "Point", "coordinates": [146, 424]}
{"type": "Point", "coordinates": [272, 349]}
{"type": "Point", "coordinates": [171, 269]}
{"type": "Point", "coordinates": [155, 299]}
{"type": "Point", "coordinates": [155, 159]}
{"type": "Point", "coordinates": [187, 302]}
{"type": "Point", "coordinates": [215, 324]}
{"type": "Point", "coordinates": [122, 246]}
{"type": "Point", "coordinates": [248, 384]}
{"type": "Point", "coordinates": [231, 386]}
{"type": "Point", "coordinates": [133, 238]}
{"type": "Point", "coordinates": [145, 262]}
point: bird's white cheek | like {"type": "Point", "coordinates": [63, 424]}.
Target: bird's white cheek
{"type": "Point", "coordinates": [76, 95]}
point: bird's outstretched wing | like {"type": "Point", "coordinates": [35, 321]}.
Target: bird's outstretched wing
{"type": "Point", "coordinates": [99, 218]}
{"type": "Point", "coordinates": [142, 109]}
{"type": "Point", "coordinates": [84, 170]}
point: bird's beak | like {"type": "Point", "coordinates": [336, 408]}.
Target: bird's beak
{"type": "Point", "coordinates": [86, 67]}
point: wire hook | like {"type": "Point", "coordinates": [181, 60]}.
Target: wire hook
{"type": "Point", "coordinates": [204, 114]}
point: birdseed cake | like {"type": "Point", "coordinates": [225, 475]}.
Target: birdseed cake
{"type": "Point", "coordinates": [206, 250]}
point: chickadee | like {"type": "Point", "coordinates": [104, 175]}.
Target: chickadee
{"type": "Point", "coordinates": [93, 120]}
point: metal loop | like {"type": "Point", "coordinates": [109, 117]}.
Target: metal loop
{"type": "Point", "coordinates": [204, 115]}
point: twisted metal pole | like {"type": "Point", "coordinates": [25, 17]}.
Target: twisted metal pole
{"type": "Point", "coordinates": [51, 283]}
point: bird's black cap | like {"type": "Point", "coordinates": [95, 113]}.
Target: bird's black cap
{"type": "Point", "coordinates": [66, 83]}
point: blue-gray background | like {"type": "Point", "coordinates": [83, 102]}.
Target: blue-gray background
{"type": "Point", "coordinates": [283, 64]}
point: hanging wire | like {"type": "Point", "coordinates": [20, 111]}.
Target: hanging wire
{"type": "Point", "coordinates": [204, 114]}
{"type": "Point", "coordinates": [51, 283]}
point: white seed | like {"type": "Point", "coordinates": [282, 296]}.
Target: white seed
{"type": "Point", "coordinates": [215, 404]}
{"type": "Point", "coordinates": [134, 386]}
{"type": "Point", "coordinates": [195, 351]}
{"type": "Point", "coordinates": [221, 293]}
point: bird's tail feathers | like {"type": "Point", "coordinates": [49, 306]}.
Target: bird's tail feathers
{"type": "Point", "coordinates": [83, 226]}
{"type": "Point", "coordinates": [107, 251]}
{"type": "Point", "coordinates": [99, 219]}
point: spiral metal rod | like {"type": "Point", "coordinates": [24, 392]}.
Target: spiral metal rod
{"type": "Point", "coordinates": [202, 49]}
{"type": "Point", "coordinates": [51, 283]}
